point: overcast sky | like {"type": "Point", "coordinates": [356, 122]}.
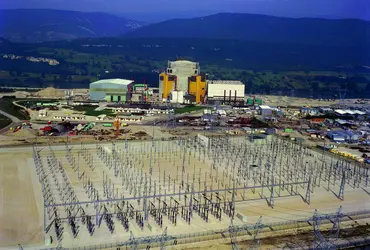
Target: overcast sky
{"type": "Point", "coordinates": [189, 8]}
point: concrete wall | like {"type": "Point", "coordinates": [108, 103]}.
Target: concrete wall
{"type": "Point", "coordinates": [183, 69]}
{"type": "Point", "coordinates": [177, 97]}
{"type": "Point", "coordinates": [97, 95]}
{"type": "Point", "coordinates": [266, 112]}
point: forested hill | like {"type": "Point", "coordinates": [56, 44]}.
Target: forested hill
{"type": "Point", "coordinates": [262, 28]}
{"type": "Point", "coordinates": [39, 25]}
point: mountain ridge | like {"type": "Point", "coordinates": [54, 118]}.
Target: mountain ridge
{"type": "Point", "coordinates": [40, 25]}
{"type": "Point", "coordinates": [255, 27]}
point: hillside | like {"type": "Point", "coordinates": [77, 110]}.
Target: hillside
{"type": "Point", "coordinates": [261, 28]}
{"type": "Point", "coordinates": [305, 70]}
{"type": "Point", "coordinates": [39, 25]}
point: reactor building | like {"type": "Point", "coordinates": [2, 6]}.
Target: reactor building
{"type": "Point", "coordinates": [182, 82]}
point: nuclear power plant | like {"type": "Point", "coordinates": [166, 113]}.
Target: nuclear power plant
{"type": "Point", "coordinates": [183, 82]}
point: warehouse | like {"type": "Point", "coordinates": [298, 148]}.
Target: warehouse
{"type": "Point", "coordinates": [266, 111]}
{"type": "Point", "coordinates": [337, 136]}
{"type": "Point", "coordinates": [110, 90]}
{"type": "Point", "coordinates": [225, 92]}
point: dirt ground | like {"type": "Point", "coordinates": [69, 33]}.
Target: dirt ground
{"type": "Point", "coordinates": [301, 240]}
{"type": "Point", "coordinates": [20, 201]}
{"type": "Point", "coordinates": [293, 101]}
{"type": "Point", "coordinates": [134, 132]}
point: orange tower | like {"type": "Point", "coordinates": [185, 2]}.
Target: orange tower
{"type": "Point", "coordinates": [117, 125]}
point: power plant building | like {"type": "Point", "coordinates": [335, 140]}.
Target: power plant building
{"type": "Point", "coordinates": [182, 78]}
{"type": "Point", "coordinates": [110, 90]}
{"type": "Point", "coordinates": [225, 92]}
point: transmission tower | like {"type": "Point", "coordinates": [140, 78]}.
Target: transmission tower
{"type": "Point", "coordinates": [342, 184]}
{"type": "Point", "coordinates": [233, 235]}
{"type": "Point", "coordinates": [342, 95]}
{"type": "Point", "coordinates": [320, 242]}
{"type": "Point", "coordinates": [257, 228]}
{"type": "Point", "coordinates": [171, 121]}
{"type": "Point", "coordinates": [308, 192]}
{"type": "Point", "coordinates": [133, 242]}
{"type": "Point", "coordinates": [163, 239]}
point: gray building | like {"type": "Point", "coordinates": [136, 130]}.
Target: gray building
{"type": "Point", "coordinates": [265, 111]}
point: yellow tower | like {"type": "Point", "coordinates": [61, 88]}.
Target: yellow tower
{"type": "Point", "coordinates": [166, 84]}
{"type": "Point", "coordinates": [197, 87]}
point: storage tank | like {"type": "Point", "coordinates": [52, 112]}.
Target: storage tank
{"type": "Point", "coordinates": [250, 101]}
{"type": "Point", "coordinates": [259, 101]}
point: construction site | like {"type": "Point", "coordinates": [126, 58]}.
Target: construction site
{"type": "Point", "coordinates": [214, 191]}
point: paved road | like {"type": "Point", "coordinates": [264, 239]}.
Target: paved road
{"type": "Point", "coordinates": [15, 121]}
{"type": "Point", "coordinates": [13, 118]}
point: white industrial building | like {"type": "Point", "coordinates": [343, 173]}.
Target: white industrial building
{"type": "Point", "coordinates": [177, 97]}
{"type": "Point", "coordinates": [111, 90]}
{"type": "Point", "coordinates": [225, 92]}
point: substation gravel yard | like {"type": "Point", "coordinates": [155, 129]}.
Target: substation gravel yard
{"type": "Point", "coordinates": [104, 193]}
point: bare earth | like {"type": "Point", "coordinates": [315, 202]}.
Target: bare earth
{"type": "Point", "coordinates": [20, 199]}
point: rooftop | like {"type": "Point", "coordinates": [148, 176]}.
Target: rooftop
{"type": "Point", "coordinates": [114, 81]}
{"type": "Point", "coordinates": [265, 107]}
{"type": "Point", "coordinates": [225, 82]}
{"type": "Point", "coordinates": [350, 112]}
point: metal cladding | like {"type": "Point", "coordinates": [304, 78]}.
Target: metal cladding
{"type": "Point", "coordinates": [109, 89]}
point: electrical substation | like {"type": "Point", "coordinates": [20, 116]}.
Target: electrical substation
{"type": "Point", "coordinates": [164, 193]}
{"type": "Point", "coordinates": [150, 194]}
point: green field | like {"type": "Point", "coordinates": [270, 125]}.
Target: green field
{"type": "Point", "coordinates": [90, 110]}
{"type": "Point", "coordinates": [84, 108]}
{"type": "Point", "coordinates": [97, 113]}
{"type": "Point", "coordinates": [6, 105]}
{"type": "Point", "coordinates": [188, 109]}
{"type": "Point", "coordinates": [129, 59]}
{"type": "Point", "coordinates": [32, 102]}
{"type": "Point", "coordinates": [4, 121]}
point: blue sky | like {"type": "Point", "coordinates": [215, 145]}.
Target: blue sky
{"type": "Point", "coordinates": [190, 8]}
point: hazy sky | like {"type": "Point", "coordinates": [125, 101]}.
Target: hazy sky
{"type": "Point", "coordinates": [189, 8]}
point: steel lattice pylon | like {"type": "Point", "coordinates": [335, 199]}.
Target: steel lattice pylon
{"type": "Point", "coordinates": [133, 241]}
{"type": "Point", "coordinates": [171, 121]}
{"type": "Point", "coordinates": [256, 242]}
{"type": "Point", "coordinates": [320, 242]}
{"type": "Point", "coordinates": [233, 235]}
